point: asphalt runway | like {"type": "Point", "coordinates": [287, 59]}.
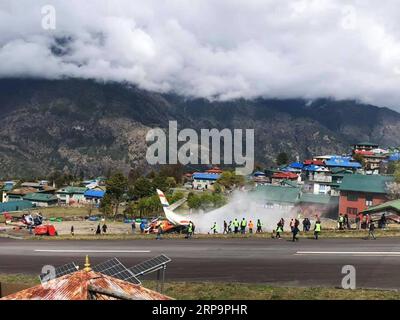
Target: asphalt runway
{"type": "Point", "coordinates": [278, 262]}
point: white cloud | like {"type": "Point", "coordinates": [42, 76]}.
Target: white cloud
{"type": "Point", "coordinates": [216, 49]}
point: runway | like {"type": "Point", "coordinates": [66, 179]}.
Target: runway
{"type": "Point", "coordinates": [277, 262]}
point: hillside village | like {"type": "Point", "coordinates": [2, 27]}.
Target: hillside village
{"type": "Point", "coordinates": [327, 185]}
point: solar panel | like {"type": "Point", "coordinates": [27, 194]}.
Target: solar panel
{"type": "Point", "coordinates": [149, 266]}
{"type": "Point", "coordinates": [59, 272]}
{"type": "Point", "coordinates": [114, 268]}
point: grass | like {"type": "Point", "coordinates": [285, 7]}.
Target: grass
{"type": "Point", "coordinates": [240, 291]}
{"type": "Point", "coordinates": [62, 212]}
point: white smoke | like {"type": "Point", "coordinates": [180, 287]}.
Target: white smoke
{"type": "Point", "coordinates": [242, 205]}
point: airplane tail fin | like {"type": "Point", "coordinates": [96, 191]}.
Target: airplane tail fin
{"type": "Point", "coordinates": [171, 216]}
{"type": "Point", "coordinates": [163, 199]}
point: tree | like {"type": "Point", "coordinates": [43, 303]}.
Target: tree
{"type": "Point", "coordinates": [230, 180]}
{"type": "Point", "coordinates": [359, 158]}
{"type": "Point", "coordinates": [117, 186]}
{"type": "Point", "coordinates": [106, 206]}
{"type": "Point", "coordinates": [282, 159]}
{"type": "Point", "coordinates": [143, 188]}
{"type": "Point", "coordinates": [133, 175]}
{"type": "Point", "coordinates": [170, 182]}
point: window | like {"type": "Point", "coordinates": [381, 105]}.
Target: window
{"type": "Point", "coordinates": [352, 197]}
{"type": "Point", "coordinates": [351, 211]}
{"type": "Point", "coordinates": [368, 200]}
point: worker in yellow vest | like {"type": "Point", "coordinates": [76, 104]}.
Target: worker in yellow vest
{"type": "Point", "coordinates": [317, 229]}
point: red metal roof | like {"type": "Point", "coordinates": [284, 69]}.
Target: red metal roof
{"type": "Point", "coordinates": [315, 162]}
{"type": "Point", "coordinates": [284, 175]}
{"type": "Point", "coordinates": [74, 286]}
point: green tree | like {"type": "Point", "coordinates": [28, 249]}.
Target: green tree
{"type": "Point", "coordinates": [143, 188]}
{"type": "Point", "coordinates": [117, 186]}
{"type": "Point", "coordinates": [170, 182]}
{"type": "Point", "coordinates": [282, 159]}
{"type": "Point", "coordinates": [230, 180]}
{"type": "Point", "coordinates": [359, 158]}
{"type": "Point", "coordinates": [106, 206]}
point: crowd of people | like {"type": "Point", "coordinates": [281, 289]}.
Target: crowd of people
{"type": "Point", "coordinates": [237, 226]}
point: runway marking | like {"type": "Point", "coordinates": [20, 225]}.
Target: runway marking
{"type": "Point", "coordinates": [91, 251]}
{"type": "Point", "coordinates": [352, 253]}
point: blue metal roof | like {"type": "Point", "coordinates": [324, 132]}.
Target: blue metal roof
{"type": "Point", "coordinates": [296, 165]}
{"type": "Point", "coordinates": [258, 173]}
{"type": "Point", "coordinates": [206, 176]}
{"type": "Point", "coordinates": [94, 193]}
{"type": "Point", "coordinates": [343, 162]}
{"type": "Point", "coordinates": [313, 167]}
{"type": "Point", "coordinates": [394, 157]}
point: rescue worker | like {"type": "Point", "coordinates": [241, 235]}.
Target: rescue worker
{"type": "Point", "coordinates": [236, 225]}
{"type": "Point", "coordinates": [279, 230]}
{"type": "Point", "coordinates": [190, 230]}
{"type": "Point", "coordinates": [317, 229]}
{"type": "Point", "coordinates": [251, 226]}
{"type": "Point", "coordinates": [214, 228]}
{"type": "Point", "coordinates": [159, 232]}
{"type": "Point", "coordinates": [341, 221]}
{"type": "Point", "coordinates": [225, 227]}
{"type": "Point", "coordinates": [295, 231]}
{"type": "Point", "coordinates": [104, 228]}
{"type": "Point", "coordinates": [98, 230]}
{"type": "Point", "coordinates": [230, 225]}
{"type": "Point", "coordinates": [371, 231]}
{"type": "Point", "coordinates": [243, 226]}
{"type": "Point", "coordinates": [259, 226]}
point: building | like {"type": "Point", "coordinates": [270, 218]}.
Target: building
{"type": "Point", "coordinates": [19, 193]}
{"type": "Point", "coordinates": [87, 285]}
{"type": "Point", "coordinates": [71, 195]}
{"type": "Point", "coordinates": [204, 181]}
{"type": "Point", "coordinates": [278, 177]}
{"type": "Point", "coordinates": [321, 205]}
{"type": "Point", "coordinates": [360, 192]}
{"type": "Point", "coordinates": [260, 178]}
{"type": "Point", "coordinates": [276, 196]}
{"type": "Point", "coordinates": [342, 162]}
{"type": "Point", "coordinates": [13, 206]}
{"type": "Point", "coordinates": [372, 156]}
{"type": "Point", "coordinates": [39, 199]}
{"type": "Point", "coordinates": [390, 209]}
{"type": "Point", "coordinates": [94, 196]}
{"type": "Point", "coordinates": [6, 187]}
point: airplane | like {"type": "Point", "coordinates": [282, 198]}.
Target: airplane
{"type": "Point", "coordinates": [172, 222]}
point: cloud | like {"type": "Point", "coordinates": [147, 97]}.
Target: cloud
{"type": "Point", "coordinates": [221, 49]}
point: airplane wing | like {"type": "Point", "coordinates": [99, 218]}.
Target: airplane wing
{"type": "Point", "coordinates": [177, 204]}
{"type": "Point", "coordinates": [169, 213]}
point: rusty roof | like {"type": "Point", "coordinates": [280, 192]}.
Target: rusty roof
{"type": "Point", "coordinates": [22, 191]}
{"type": "Point", "coordinates": [75, 286]}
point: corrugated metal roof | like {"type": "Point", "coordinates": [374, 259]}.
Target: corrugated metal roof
{"type": "Point", "coordinates": [41, 197]}
{"type": "Point", "coordinates": [15, 206]}
{"type": "Point", "coordinates": [74, 286]}
{"type": "Point", "coordinates": [206, 176]}
{"type": "Point", "coordinates": [365, 183]}
{"type": "Point", "coordinates": [94, 193]}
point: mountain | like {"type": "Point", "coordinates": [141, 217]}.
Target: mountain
{"type": "Point", "coordinates": [83, 126]}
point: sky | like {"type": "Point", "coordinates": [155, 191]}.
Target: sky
{"type": "Point", "coordinates": [216, 49]}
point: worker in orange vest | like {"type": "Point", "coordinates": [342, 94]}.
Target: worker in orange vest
{"type": "Point", "coordinates": [251, 226]}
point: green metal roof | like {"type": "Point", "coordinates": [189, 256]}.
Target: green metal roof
{"type": "Point", "coordinates": [15, 206]}
{"type": "Point", "coordinates": [72, 190]}
{"type": "Point", "coordinates": [273, 193]}
{"type": "Point", "coordinates": [394, 204]}
{"type": "Point", "coordinates": [41, 197]}
{"type": "Point", "coordinates": [318, 198]}
{"type": "Point", "coordinates": [365, 183]}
